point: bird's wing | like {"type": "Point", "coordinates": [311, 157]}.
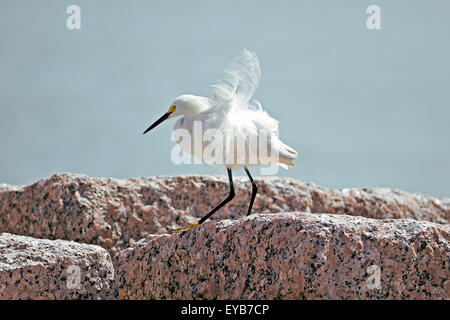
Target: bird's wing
{"type": "Point", "coordinates": [240, 81]}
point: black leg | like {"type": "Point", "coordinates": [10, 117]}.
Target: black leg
{"type": "Point", "coordinates": [224, 202]}
{"type": "Point", "coordinates": [254, 191]}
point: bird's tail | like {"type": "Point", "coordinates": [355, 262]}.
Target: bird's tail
{"type": "Point", "coordinates": [286, 156]}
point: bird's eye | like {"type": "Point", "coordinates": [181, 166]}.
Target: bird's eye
{"type": "Point", "coordinates": [172, 108]}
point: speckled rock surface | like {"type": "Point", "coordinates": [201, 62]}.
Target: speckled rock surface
{"type": "Point", "coordinates": [115, 213]}
{"type": "Point", "coordinates": [291, 256]}
{"type": "Point", "coordinates": [54, 269]}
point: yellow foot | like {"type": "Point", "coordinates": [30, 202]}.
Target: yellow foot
{"type": "Point", "coordinates": [187, 227]}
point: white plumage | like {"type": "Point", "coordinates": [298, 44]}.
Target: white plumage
{"type": "Point", "coordinates": [238, 120]}
{"type": "Point", "coordinates": [231, 129]}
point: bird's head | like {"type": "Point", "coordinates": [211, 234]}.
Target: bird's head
{"type": "Point", "coordinates": [185, 105]}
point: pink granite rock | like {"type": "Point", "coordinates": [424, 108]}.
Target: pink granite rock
{"type": "Point", "coordinates": [291, 256]}
{"type": "Point", "coordinates": [54, 269]}
{"type": "Point", "coordinates": [114, 213]}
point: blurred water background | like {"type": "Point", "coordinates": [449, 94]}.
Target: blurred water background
{"type": "Point", "coordinates": [363, 108]}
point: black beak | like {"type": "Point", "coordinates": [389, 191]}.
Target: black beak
{"type": "Point", "coordinates": [164, 117]}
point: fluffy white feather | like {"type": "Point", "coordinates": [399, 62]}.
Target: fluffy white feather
{"type": "Point", "coordinates": [237, 116]}
{"type": "Point", "coordinates": [240, 81]}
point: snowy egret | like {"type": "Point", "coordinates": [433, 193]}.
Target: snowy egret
{"type": "Point", "coordinates": [234, 116]}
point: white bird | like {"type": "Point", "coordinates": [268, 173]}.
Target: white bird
{"type": "Point", "coordinates": [244, 134]}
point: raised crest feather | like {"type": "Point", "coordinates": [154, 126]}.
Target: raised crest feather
{"type": "Point", "coordinates": [240, 81]}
